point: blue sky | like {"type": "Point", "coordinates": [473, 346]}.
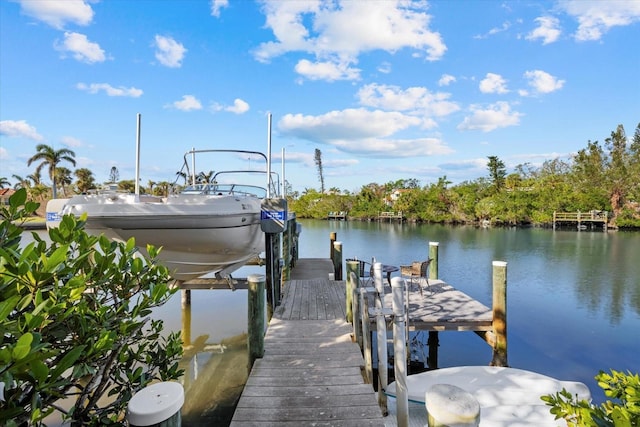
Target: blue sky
{"type": "Point", "coordinates": [386, 89]}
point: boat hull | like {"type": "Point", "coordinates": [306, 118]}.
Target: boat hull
{"type": "Point", "coordinates": [198, 234]}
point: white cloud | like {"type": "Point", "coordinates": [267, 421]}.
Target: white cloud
{"type": "Point", "coordinates": [169, 52]}
{"type": "Point", "coordinates": [446, 80]}
{"type": "Point", "coordinates": [547, 30]}
{"type": "Point", "coordinates": [493, 83]}
{"type": "Point", "coordinates": [595, 18]}
{"type": "Point", "coordinates": [495, 30]}
{"type": "Point", "coordinates": [415, 100]}
{"type": "Point", "coordinates": [217, 5]}
{"type": "Point", "coordinates": [361, 131]}
{"type": "Point", "coordinates": [72, 142]}
{"type": "Point", "coordinates": [57, 13]}
{"type": "Point", "coordinates": [239, 107]}
{"type": "Point", "coordinates": [329, 71]}
{"type": "Point", "coordinates": [543, 82]}
{"type": "Point", "coordinates": [94, 88]}
{"type": "Point", "coordinates": [338, 32]}
{"type": "Point", "coordinates": [385, 67]}
{"type": "Point", "coordinates": [19, 128]}
{"type": "Point", "coordinates": [188, 103]}
{"type": "Point", "coordinates": [81, 48]}
{"type": "Point", "coordinates": [498, 115]}
{"type": "Point", "coordinates": [346, 124]}
{"type": "Point", "coordinates": [4, 154]}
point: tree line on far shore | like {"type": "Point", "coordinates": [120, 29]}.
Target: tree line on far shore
{"type": "Point", "coordinates": [601, 177]}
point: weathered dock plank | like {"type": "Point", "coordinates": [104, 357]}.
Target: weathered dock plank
{"type": "Point", "coordinates": [311, 372]}
{"type": "Point", "coordinates": [441, 307]}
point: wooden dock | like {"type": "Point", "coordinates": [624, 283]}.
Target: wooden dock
{"type": "Point", "coordinates": [391, 216]}
{"type": "Point", "coordinates": [337, 215]}
{"type": "Point", "coordinates": [311, 371]}
{"type": "Point", "coordinates": [593, 218]}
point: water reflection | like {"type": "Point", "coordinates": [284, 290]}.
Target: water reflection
{"type": "Point", "coordinates": [214, 372]}
{"type": "Point", "coordinates": [573, 297]}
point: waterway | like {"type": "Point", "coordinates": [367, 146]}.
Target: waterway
{"type": "Point", "coordinates": [573, 297]}
{"type": "Point", "coordinates": [573, 303]}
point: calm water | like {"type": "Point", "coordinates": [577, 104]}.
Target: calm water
{"type": "Point", "coordinates": [573, 298]}
{"type": "Point", "coordinates": [573, 303]}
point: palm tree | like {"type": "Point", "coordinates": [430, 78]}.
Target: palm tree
{"type": "Point", "coordinates": [204, 177]}
{"type": "Point", "coordinates": [85, 181]}
{"type": "Point", "coordinates": [21, 182]}
{"type": "Point", "coordinates": [50, 157]}
{"type": "Point", "coordinates": [4, 182]}
{"type": "Point", "coordinates": [63, 177]}
{"type": "Point", "coordinates": [183, 175]}
{"type": "Point", "coordinates": [35, 178]}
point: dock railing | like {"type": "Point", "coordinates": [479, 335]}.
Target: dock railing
{"type": "Point", "coordinates": [592, 217]}
{"type": "Point", "coordinates": [382, 216]}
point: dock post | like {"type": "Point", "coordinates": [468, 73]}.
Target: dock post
{"type": "Point", "coordinates": [269, 257]}
{"type": "Point", "coordinates": [399, 351]}
{"type": "Point", "coordinates": [332, 238]}
{"type": "Point", "coordinates": [337, 260]}
{"type": "Point", "coordinates": [433, 254]}
{"type": "Point", "coordinates": [355, 304]}
{"type": "Point", "coordinates": [366, 335]}
{"type": "Point", "coordinates": [500, 313]}
{"type": "Point", "coordinates": [381, 337]}
{"type": "Point", "coordinates": [157, 405]}
{"type": "Point", "coordinates": [434, 340]}
{"type": "Point", "coordinates": [287, 243]}
{"type": "Point", "coordinates": [448, 405]}
{"type": "Point", "coordinates": [256, 317]}
{"type": "Point", "coordinates": [353, 268]}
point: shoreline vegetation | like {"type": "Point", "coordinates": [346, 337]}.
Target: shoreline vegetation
{"type": "Point", "coordinates": [600, 177]}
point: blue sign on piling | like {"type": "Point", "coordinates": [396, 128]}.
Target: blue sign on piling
{"type": "Point", "coordinates": [275, 215]}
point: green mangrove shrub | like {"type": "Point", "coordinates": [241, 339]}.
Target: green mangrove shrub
{"type": "Point", "coordinates": [76, 335]}
{"type": "Point", "coordinates": [622, 411]}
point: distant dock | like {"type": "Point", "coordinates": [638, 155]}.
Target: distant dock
{"type": "Point", "coordinates": [342, 215]}
{"type": "Point", "coordinates": [582, 220]}
{"type": "Point", "coordinates": [391, 216]}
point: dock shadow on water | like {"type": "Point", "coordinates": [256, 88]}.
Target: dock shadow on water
{"type": "Point", "coordinates": [215, 357]}
{"type": "Point", "coordinates": [215, 375]}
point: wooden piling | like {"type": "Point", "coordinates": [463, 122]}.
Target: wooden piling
{"type": "Point", "coordinates": [256, 317]}
{"type": "Point", "coordinates": [333, 236]}
{"type": "Point", "coordinates": [337, 260]}
{"type": "Point", "coordinates": [287, 252]}
{"type": "Point", "coordinates": [500, 313]}
{"type": "Point", "coordinates": [433, 255]}
{"type": "Point", "coordinates": [366, 335]}
{"type": "Point", "coordinates": [355, 303]}
{"type": "Point", "coordinates": [352, 270]}
{"type": "Point", "coordinates": [399, 347]}
{"type": "Point", "coordinates": [270, 256]}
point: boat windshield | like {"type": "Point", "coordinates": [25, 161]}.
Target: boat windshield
{"type": "Point", "coordinates": [226, 190]}
{"type": "Point", "coordinates": [243, 173]}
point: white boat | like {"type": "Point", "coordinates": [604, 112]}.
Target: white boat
{"type": "Point", "coordinates": [212, 227]}
{"type": "Point", "coordinates": [507, 396]}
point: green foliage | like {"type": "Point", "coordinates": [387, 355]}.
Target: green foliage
{"type": "Point", "coordinates": [597, 178]}
{"type": "Point", "coordinates": [74, 323]}
{"type": "Point", "coordinates": [623, 411]}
